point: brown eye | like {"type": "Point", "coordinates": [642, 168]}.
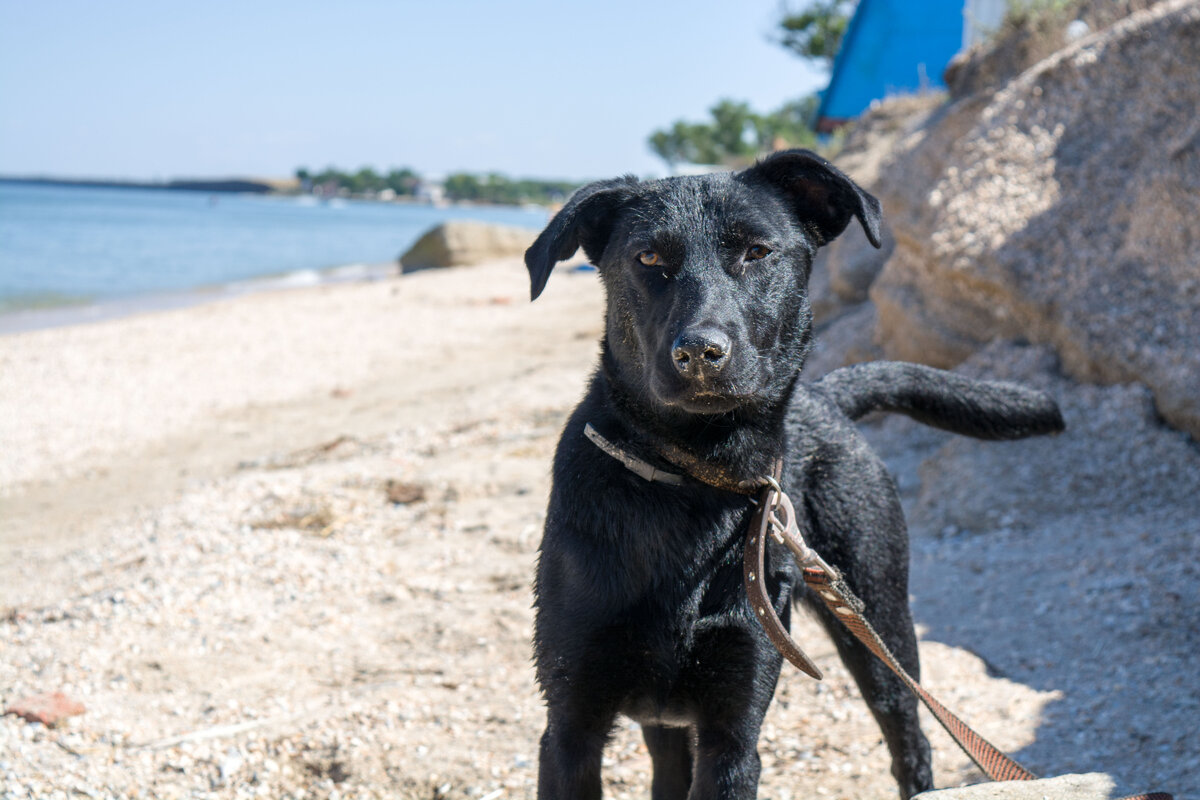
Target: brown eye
{"type": "Point", "coordinates": [650, 258]}
{"type": "Point", "coordinates": [757, 252]}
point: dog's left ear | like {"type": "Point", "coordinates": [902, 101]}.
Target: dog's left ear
{"type": "Point", "coordinates": [821, 195]}
{"type": "Point", "coordinates": [585, 220]}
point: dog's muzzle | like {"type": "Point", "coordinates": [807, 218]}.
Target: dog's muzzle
{"type": "Point", "coordinates": [702, 354]}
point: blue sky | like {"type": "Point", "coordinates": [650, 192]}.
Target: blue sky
{"type": "Point", "coordinates": [146, 90]}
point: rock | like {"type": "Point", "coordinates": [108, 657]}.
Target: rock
{"type": "Point", "coordinates": [1089, 786]}
{"type": "Point", "coordinates": [1115, 459]}
{"type": "Point", "coordinates": [824, 303]}
{"type": "Point", "coordinates": [463, 242]}
{"type": "Point", "coordinates": [1064, 209]}
{"type": "Point", "coordinates": [1029, 33]}
{"type": "Point", "coordinates": [846, 268]}
{"type": "Point", "coordinates": [908, 329]}
{"type": "Point", "coordinates": [50, 708]}
{"type": "Point", "coordinates": [849, 339]}
{"type": "Point", "coordinates": [854, 262]}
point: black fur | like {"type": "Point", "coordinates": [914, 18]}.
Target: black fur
{"type": "Point", "coordinates": [640, 607]}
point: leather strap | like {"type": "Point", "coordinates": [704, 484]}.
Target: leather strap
{"type": "Point", "coordinates": [753, 574]}
{"type": "Point", "coordinates": [632, 463]}
{"type": "Point", "coordinates": [991, 761]}
{"type": "Point", "coordinates": [846, 607]}
{"type": "Point", "coordinates": [712, 474]}
{"type": "Point", "coordinates": [695, 468]}
{"type": "Point", "coordinates": [833, 591]}
{"type": "Point", "coordinates": [827, 582]}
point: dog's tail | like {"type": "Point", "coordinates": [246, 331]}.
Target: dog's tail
{"type": "Point", "coordinates": [983, 409]}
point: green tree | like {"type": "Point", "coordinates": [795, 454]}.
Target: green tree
{"type": "Point", "coordinates": [500, 189]}
{"type": "Point", "coordinates": [402, 181]}
{"type": "Point", "coordinates": [815, 31]}
{"type": "Point", "coordinates": [791, 125]}
{"type": "Point", "coordinates": [735, 129]}
{"type": "Point", "coordinates": [363, 181]}
{"type": "Point", "coordinates": [329, 175]}
{"type": "Point", "coordinates": [731, 134]}
{"type": "Point", "coordinates": [735, 133]}
{"type": "Point", "coordinates": [686, 143]}
{"type": "Point", "coordinates": [462, 186]}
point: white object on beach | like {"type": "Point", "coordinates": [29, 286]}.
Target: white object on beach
{"type": "Point", "coordinates": [1087, 786]}
{"type": "Point", "coordinates": [1076, 30]}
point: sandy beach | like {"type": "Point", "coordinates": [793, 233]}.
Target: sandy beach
{"type": "Point", "coordinates": [282, 545]}
{"type": "Point", "coordinates": [136, 408]}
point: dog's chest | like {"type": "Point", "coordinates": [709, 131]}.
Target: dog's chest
{"type": "Point", "coordinates": [640, 595]}
{"type": "Point", "coordinates": [689, 638]}
{"type": "Point", "coordinates": [677, 638]}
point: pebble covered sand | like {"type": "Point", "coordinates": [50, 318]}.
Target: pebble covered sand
{"type": "Point", "coordinates": [281, 546]}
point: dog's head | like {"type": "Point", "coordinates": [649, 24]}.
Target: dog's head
{"type": "Point", "coordinates": [707, 276]}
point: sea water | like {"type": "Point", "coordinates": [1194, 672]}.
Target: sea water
{"type": "Point", "coordinates": [69, 252]}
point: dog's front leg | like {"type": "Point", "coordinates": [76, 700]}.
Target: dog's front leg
{"type": "Point", "coordinates": [671, 754]}
{"type": "Point", "coordinates": [869, 544]}
{"type": "Point", "coordinates": [891, 703]}
{"type": "Point", "coordinates": [571, 749]}
{"type": "Point", "coordinates": [727, 765]}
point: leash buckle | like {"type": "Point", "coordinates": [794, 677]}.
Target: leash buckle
{"type": "Point", "coordinates": [779, 516]}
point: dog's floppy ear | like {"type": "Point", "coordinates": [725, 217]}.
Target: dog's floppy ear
{"type": "Point", "coordinates": [585, 220]}
{"type": "Point", "coordinates": [821, 195]}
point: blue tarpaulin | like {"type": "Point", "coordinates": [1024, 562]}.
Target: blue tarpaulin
{"type": "Point", "coordinates": [890, 47]}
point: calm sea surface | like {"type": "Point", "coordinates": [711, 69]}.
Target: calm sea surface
{"type": "Point", "coordinates": [73, 247]}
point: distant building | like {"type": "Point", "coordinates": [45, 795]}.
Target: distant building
{"type": "Point", "coordinates": [430, 191]}
{"type": "Point", "coordinates": [898, 46]}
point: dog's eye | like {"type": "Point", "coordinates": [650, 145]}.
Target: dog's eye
{"type": "Point", "coordinates": [650, 258]}
{"type": "Point", "coordinates": [757, 252]}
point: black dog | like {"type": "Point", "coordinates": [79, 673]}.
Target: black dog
{"type": "Point", "coordinates": [640, 605]}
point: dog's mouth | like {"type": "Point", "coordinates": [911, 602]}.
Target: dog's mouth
{"type": "Point", "coordinates": [701, 398]}
{"type": "Point", "coordinates": [708, 403]}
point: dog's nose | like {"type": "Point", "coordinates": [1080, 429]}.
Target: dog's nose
{"type": "Point", "coordinates": [701, 353]}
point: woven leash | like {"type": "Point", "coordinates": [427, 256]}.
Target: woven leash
{"type": "Point", "coordinates": [776, 517]}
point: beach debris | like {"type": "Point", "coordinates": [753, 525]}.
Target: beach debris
{"type": "Point", "coordinates": [343, 446]}
{"type": "Point", "coordinates": [403, 493]}
{"type": "Point", "coordinates": [214, 732]}
{"type": "Point", "coordinates": [230, 764]}
{"type": "Point", "coordinates": [494, 300]}
{"type": "Point", "coordinates": [320, 520]}
{"type": "Point", "coordinates": [49, 708]}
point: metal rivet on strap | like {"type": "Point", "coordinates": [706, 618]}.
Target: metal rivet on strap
{"type": "Point", "coordinates": [761, 611]}
{"type": "Point", "coordinates": [750, 576]}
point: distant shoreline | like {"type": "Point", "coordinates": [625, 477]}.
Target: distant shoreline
{"type": "Point", "coordinates": [274, 187]}
{"type": "Point", "coordinates": [221, 185]}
